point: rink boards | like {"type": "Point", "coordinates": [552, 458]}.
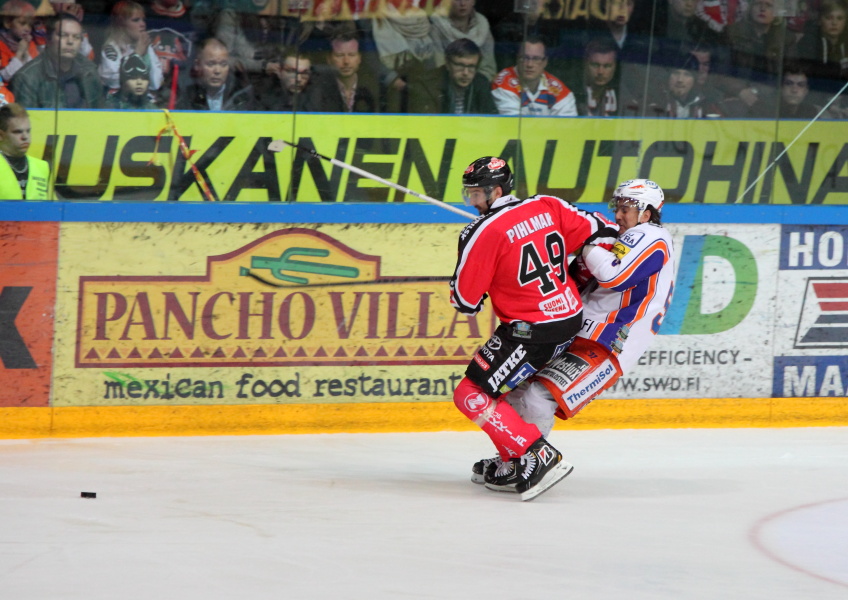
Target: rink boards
{"type": "Point", "coordinates": [300, 320]}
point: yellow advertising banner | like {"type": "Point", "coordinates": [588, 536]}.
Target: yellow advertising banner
{"type": "Point", "coordinates": [152, 314]}
{"type": "Point", "coordinates": [103, 155]}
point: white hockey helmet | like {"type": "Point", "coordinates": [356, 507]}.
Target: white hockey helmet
{"type": "Point", "coordinates": [640, 193]}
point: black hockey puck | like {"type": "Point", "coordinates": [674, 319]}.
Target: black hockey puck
{"type": "Point", "coordinates": [88, 495]}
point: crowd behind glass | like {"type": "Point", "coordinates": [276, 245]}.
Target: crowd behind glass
{"type": "Point", "coordinates": [650, 58]}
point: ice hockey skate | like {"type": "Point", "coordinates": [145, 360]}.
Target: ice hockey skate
{"type": "Point", "coordinates": [484, 466]}
{"type": "Point", "coordinates": [537, 471]}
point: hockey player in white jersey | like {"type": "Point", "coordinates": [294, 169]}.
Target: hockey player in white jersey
{"type": "Point", "coordinates": [626, 288]}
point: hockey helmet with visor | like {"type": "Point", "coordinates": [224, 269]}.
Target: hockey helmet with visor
{"type": "Point", "coordinates": [640, 194]}
{"type": "Point", "coordinates": [487, 172]}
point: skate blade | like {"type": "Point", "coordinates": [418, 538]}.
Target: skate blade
{"type": "Point", "coordinates": [502, 488]}
{"type": "Point", "coordinates": [553, 477]}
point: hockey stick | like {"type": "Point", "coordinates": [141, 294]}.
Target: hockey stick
{"type": "Point", "coordinates": [277, 146]}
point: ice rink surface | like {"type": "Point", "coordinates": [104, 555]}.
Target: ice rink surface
{"type": "Point", "coordinates": [646, 514]}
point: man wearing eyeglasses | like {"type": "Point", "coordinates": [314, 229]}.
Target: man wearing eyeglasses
{"type": "Point", "coordinates": [527, 89]}
{"type": "Point", "coordinates": [457, 88]}
{"type": "Point", "coordinates": [287, 85]}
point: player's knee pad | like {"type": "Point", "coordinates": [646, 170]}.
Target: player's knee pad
{"type": "Point", "coordinates": [578, 378]}
{"type": "Point", "coordinates": [472, 401]}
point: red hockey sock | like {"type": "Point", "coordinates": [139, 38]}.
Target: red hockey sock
{"type": "Point", "coordinates": [507, 430]}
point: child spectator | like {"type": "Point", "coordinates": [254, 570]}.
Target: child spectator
{"type": "Point", "coordinates": [128, 35]}
{"type": "Point", "coordinates": [135, 83]}
{"type": "Point", "coordinates": [16, 44]}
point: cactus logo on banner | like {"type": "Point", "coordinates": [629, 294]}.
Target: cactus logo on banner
{"type": "Point", "coordinates": [685, 315]}
{"type": "Point", "coordinates": [294, 297]}
{"type": "Point", "coordinates": [824, 315]}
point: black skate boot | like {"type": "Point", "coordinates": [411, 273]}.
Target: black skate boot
{"type": "Point", "coordinates": [484, 466]}
{"type": "Point", "coordinates": [543, 469]}
{"type": "Point", "coordinates": [505, 476]}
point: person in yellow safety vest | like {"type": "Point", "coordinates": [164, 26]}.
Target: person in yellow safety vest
{"type": "Point", "coordinates": [22, 177]}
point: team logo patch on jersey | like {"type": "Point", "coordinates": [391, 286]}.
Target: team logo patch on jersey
{"type": "Point", "coordinates": [508, 365]}
{"type": "Point", "coordinates": [523, 373]}
{"type": "Point", "coordinates": [565, 371]}
{"type": "Point", "coordinates": [561, 303]}
{"type": "Point", "coordinates": [494, 343]}
{"type": "Point", "coordinates": [476, 402]}
{"type": "Point", "coordinates": [620, 250]}
{"type": "Point", "coordinates": [631, 238]}
{"type": "Point", "coordinates": [482, 363]}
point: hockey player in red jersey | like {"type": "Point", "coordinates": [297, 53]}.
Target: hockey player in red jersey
{"type": "Point", "coordinates": [516, 254]}
{"type": "Point", "coordinates": [626, 289]}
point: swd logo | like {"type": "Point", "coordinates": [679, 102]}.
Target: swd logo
{"type": "Point", "coordinates": [687, 314]}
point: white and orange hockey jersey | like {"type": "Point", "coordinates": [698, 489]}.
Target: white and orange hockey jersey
{"type": "Point", "coordinates": [636, 280]}
{"type": "Point", "coordinates": [552, 98]}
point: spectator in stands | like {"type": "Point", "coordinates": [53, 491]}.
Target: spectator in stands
{"type": "Point", "coordinates": [759, 43]}
{"type": "Point", "coordinates": [128, 35]}
{"type": "Point", "coordinates": [463, 21]}
{"type": "Point", "coordinates": [680, 98]}
{"type": "Point", "coordinates": [404, 41]}
{"type": "Point", "coordinates": [825, 47]}
{"type": "Point", "coordinates": [328, 19]}
{"type": "Point", "coordinates": [342, 85]}
{"type": "Point", "coordinates": [704, 85]}
{"type": "Point", "coordinates": [633, 50]}
{"type": "Point", "coordinates": [794, 91]}
{"type": "Point", "coordinates": [456, 88]}
{"type": "Point", "coordinates": [677, 25]}
{"type": "Point", "coordinates": [216, 86]}
{"type": "Point", "coordinates": [596, 94]}
{"type": "Point", "coordinates": [528, 89]}
{"type": "Point", "coordinates": [135, 84]}
{"type": "Point", "coordinates": [60, 77]}
{"type": "Point", "coordinates": [289, 87]}
{"type": "Point", "coordinates": [22, 177]}
{"type": "Point", "coordinates": [16, 44]}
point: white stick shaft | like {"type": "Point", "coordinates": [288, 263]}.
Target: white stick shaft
{"type": "Point", "coordinates": [276, 146]}
{"type": "Point", "coordinates": [400, 188]}
{"type": "Point", "coordinates": [797, 137]}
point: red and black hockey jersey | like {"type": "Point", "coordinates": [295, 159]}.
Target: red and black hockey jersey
{"type": "Point", "coordinates": [517, 253]}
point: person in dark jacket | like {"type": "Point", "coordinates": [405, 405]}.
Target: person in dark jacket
{"type": "Point", "coordinates": [342, 85]}
{"type": "Point", "coordinates": [794, 96]}
{"type": "Point", "coordinates": [60, 77]}
{"type": "Point", "coordinates": [457, 88]}
{"type": "Point", "coordinates": [216, 86]}
{"type": "Point", "coordinates": [288, 83]}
